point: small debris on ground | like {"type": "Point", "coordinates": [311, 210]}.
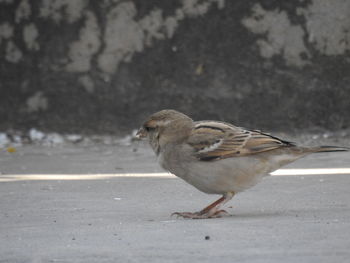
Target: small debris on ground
{"type": "Point", "coordinates": [11, 149]}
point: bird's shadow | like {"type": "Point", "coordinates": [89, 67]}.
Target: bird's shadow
{"type": "Point", "coordinates": [285, 213]}
{"type": "Point", "coordinates": [239, 215]}
{"type": "Point", "coordinates": [256, 215]}
{"type": "Point", "coordinates": [260, 214]}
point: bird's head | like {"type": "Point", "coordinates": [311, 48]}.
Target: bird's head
{"type": "Point", "coordinates": [166, 126]}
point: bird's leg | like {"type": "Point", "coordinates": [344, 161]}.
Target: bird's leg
{"type": "Point", "coordinates": [211, 206]}
{"type": "Point", "coordinates": [211, 211]}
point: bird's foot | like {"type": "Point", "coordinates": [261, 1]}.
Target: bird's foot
{"type": "Point", "coordinates": [199, 215]}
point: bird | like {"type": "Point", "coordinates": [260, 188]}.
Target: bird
{"type": "Point", "coordinates": [217, 157]}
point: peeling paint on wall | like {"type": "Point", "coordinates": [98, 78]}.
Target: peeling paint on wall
{"type": "Point", "coordinates": [221, 4]}
{"type": "Point", "coordinates": [193, 8]}
{"type": "Point", "coordinates": [196, 7]}
{"type": "Point", "coordinates": [328, 25]}
{"type": "Point", "coordinates": [170, 23]}
{"type": "Point", "coordinates": [23, 11]}
{"type": "Point", "coordinates": [123, 36]}
{"type": "Point", "coordinates": [282, 38]}
{"type": "Point", "coordinates": [13, 53]}
{"type": "Point", "coordinates": [138, 34]}
{"type": "Point", "coordinates": [58, 10]}
{"type": "Point", "coordinates": [30, 35]}
{"type": "Point", "coordinates": [151, 26]}
{"type": "Point", "coordinates": [37, 102]}
{"type": "Point", "coordinates": [6, 31]}
{"type": "Point", "coordinates": [81, 51]}
{"type": "Point", "coordinates": [109, 2]}
{"type": "Point", "coordinates": [87, 83]}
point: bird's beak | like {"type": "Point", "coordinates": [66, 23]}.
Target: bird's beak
{"type": "Point", "coordinates": [141, 133]}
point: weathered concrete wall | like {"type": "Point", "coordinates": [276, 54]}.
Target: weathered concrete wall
{"type": "Point", "coordinates": [69, 65]}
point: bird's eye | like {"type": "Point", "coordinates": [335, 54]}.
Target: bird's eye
{"type": "Point", "coordinates": [147, 128]}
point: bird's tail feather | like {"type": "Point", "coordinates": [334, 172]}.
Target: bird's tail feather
{"type": "Point", "coordinates": [319, 149]}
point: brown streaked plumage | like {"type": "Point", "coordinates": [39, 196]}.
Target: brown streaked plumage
{"type": "Point", "coordinates": [217, 157]}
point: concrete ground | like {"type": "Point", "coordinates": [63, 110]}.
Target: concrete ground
{"type": "Point", "coordinates": [79, 204]}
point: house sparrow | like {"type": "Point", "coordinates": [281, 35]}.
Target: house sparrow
{"type": "Point", "coordinates": [217, 157]}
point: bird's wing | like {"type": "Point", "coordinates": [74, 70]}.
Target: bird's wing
{"type": "Point", "coordinates": [212, 140]}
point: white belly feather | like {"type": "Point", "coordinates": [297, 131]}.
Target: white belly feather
{"type": "Point", "coordinates": [227, 175]}
{"type": "Point", "coordinates": [221, 176]}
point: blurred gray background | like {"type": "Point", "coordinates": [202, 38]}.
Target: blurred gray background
{"type": "Point", "coordinates": [103, 66]}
